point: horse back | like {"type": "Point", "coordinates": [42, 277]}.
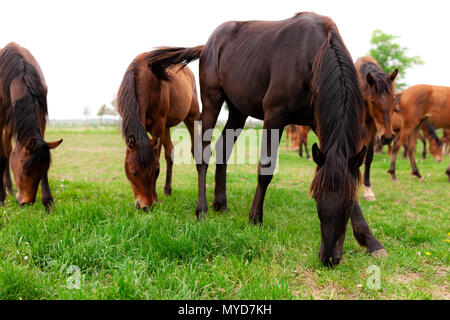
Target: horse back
{"type": "Point", "coordinates": [270, 59]}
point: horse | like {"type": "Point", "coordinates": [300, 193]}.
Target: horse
{"type": "Point", "coordinates": [292, 71]}
{"type": "Point", "coordinates": [429, 133]}
{"type": "Point", "coordinates": [299, 138]}
{"type": "Point", "coordinates": [291, 135]}
{"type": "Point", "coordinates": [378, 93]}
{"type": "Point", "coordinates": [446, 141]}
{"type": "Point", "coordinates": [23, 116]}
{"type": "Point", "coordinates": [417, 104]}
{"type": "Point", "coordinates": [153, 102]}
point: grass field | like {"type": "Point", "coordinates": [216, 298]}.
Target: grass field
{"type": "Point", "coordinates": [94, 234]}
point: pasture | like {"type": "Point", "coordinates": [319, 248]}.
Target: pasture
{"type": "Point", "coordinates": [122, 253]}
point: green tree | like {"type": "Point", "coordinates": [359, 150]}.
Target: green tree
{"type": "Point", "coordinates": [390, 55]}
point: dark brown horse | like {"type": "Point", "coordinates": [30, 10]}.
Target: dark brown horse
{"type": "Point", "coordinates": [294, 71]}
{"type": "Point", "coordinates": [417, 104]}
{"type": "Point", "coordinates": [378, 93]}
{"type": "Point", "coordinates": [153, 102]}
{"type": "Point", "coordinates": [23, 114]}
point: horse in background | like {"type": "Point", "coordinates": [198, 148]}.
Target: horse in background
{"type": "Point", "coordinates": [378, 93]}
{"type": "Point", "coordinates": [23, 115]}
{"type": "Point", "coordinates": [417, 104]}
{"type": "Point", "coordinates": [153, 102]}
{"type": "Point", "coordinates": [446, 141]}
{"type": "Point", "coordinates": [299, 138]}
{"type": "Point", "coordinates": [428, 133]}
{"type": "Point", "coordinates": [254, 67]}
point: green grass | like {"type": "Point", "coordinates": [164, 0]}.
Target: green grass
{"type": "Point", "coordinates": [166, 254]}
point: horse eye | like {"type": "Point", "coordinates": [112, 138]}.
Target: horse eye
{"type": "Point", "coordinates": [133, 173]}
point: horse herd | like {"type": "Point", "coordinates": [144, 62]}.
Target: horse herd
{"type": "Point", "coordinates": [294, 71]}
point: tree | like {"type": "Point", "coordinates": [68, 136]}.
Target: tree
{"type": "Point", "coordinates": [391, 55]}
{"type": "Point", "coordinates": [86, 112]}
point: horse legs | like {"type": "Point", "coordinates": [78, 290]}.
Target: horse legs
{"type": "Point", "coordinates": [398, 142]}
{"type": "Point", "coordinates": [448, 173]}
{"type": "Point", "coordinates": [47, 198]}
{"type": "Point", "coordinates": [224, 147]}
{"type": "Point", "coordinates": [300, 149]}
{"type": "Point", "coordinates": [362, 233]}
{"type": "Point", "coordinates": [371, 132]}
{"type": "Point", "coordinates": [306, 148]}
{"type": "Point", "coordinates": [168, 149]}
{"type": "Point", "coordinates": [424, 142]}
{"type": "Point", "coordinates": [411, 152]}
{"type": "Point", "coordinates": [7, 179]}
{"type": "Point", "coordinates": [212, 102]}
{"type": "Point", "coordinates": [272, 131]}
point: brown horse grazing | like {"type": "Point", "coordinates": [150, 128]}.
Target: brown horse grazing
{"type": "Point", "coordinates": [417, 104]}
{"type": "Point", "coordinates": [23, 114]}
{"type": "Point", "coordinates": [153, 102]}
{"type": "Point", "coordinates": [378, 93]}
{"type": "Point", "coordinates": [299, 138]}
{"type": "Point", "coordinates": [429, 133]}
{"type": "Point", "coordinates": [293, 71]}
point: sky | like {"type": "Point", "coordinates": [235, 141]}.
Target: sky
{"type": "Point", "coordinates": [84, 47]}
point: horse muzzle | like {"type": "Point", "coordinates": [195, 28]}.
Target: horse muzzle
{"type": "Point", "coordinates": [385, 141]}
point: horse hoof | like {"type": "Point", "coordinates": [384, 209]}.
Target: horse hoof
{"type": "Point", "coordinates": [380, 253]}
{"type": "Point", "coordinates": [220, 207]}
{"type": "Point", "coordinates": [421, 179]}
{"type": "Point", "coordinates": [370, 198]}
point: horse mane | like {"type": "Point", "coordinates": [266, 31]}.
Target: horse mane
{"type": "Point", "coordinates": [432, 132]}
{"type": "Point", "coordinates": [382, 85]}
{"type": "Point", "coordinates": [24, 116]}
{"type": "Point", "coordinates": [338, 105]}
{"type": "Point", "coordinates": [130, 111]}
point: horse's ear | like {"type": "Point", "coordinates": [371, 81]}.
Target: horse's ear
{"type": "Point", "coordinates": [31, 144]}
{"type": "Point", "coordinates": [370, 80]}
{"type": "Point", "coordinates": [393, 74]}
{"type": "Point", "coordinates": [54, 144]}
{"type": "Point", "coordinates": [155, 142]}
{"type": "Point", "coordinates": [357, 160]}
{"type": "Point", "coordinates": [131, 142]}
{"type": "Point", "coordinates": [318, 156]}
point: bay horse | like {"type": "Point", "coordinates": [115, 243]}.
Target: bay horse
{"type": "Point", "coordinates": [153, 102]}
{"type": "Point", "coordinates": [429, 133]}
{"type": "Point", "coordinates": [293, 71]}
{"type": "Point", "coordinates": [299, 138]}
{"type": "Point", "coordinates": [417, 104]}
{"type": "Point", "coordinates": [23, 115]}
{"type": "Point", "coordinates": [378, 93]}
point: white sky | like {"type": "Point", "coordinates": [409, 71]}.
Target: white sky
{"type": "Point", "coordinates": [84, 47]}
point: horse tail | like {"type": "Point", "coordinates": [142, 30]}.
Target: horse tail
{"type": "Point", "coordinates": [129, 109]}
{"type": "Point", "coordinates": [164, 58]}
{"type": "Point", "coordinates": [338, 108]}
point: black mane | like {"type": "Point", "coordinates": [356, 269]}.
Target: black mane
{"type": "Point", "coordinates": [129, 109]}
{"type": "Point", "coordinates": [338, 104]}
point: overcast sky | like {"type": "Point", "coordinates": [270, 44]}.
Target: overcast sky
{"type": "Point", "coordinates": [84, 47]}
